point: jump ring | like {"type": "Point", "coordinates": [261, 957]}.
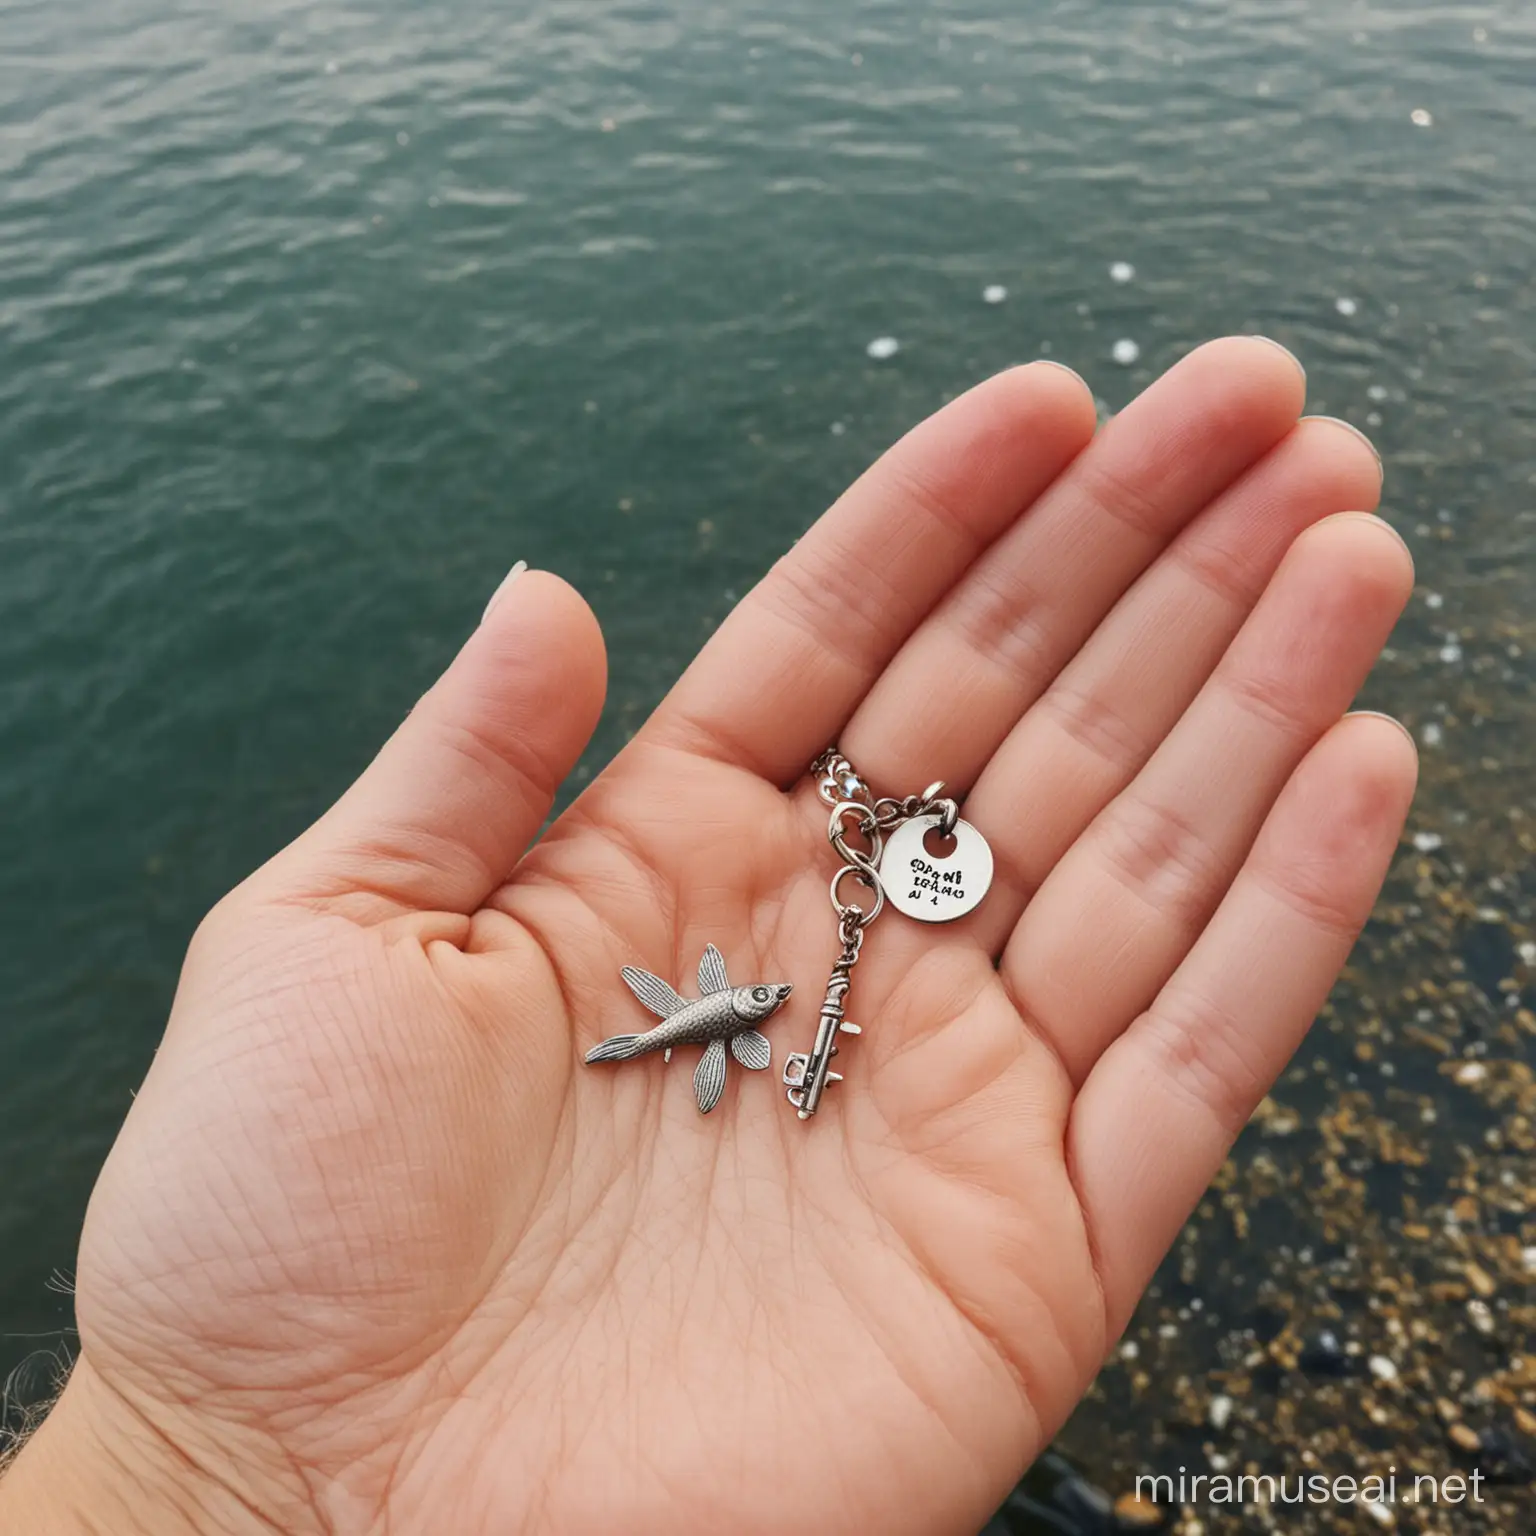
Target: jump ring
{"type": "Point", "coordinates": [868, 827]}
{"type": "Point", "coordinates": [869, 862]}
{"type": "Point", "coordinates": [865, 919]}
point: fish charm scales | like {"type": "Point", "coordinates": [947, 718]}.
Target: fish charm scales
{"type": "Point", "coordinates": [721, 1018]}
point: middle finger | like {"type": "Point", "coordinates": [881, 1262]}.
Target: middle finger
{"type": "Point", "coordinates": [973, 667]}
{"type": "Point", "coordinates": [1100, 720]}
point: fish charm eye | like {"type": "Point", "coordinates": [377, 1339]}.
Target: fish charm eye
{"type": "Point", "coordinates": [759, 994]}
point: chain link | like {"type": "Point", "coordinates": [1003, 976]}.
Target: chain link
{"type": "Point", "coordinates": [850, 929]}
{"type": "Point", "coordinates": [839, 783]}
{"type": "Point", "coordinates": [842, 787]}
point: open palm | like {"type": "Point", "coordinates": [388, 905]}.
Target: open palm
{"type": "Point", "coordinates": [377, 1251]}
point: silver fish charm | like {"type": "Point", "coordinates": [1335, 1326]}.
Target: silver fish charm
{"type": "Point", "coordinates": [723, 1015]}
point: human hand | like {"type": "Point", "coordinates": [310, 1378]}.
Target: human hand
{"type": "Point", "coordinates": [375, 1250]}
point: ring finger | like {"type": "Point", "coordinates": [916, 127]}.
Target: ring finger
{"type": "Point", "coordinates": [1128, 899]}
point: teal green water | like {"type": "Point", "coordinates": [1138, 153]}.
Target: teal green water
{"type": "Point", "coordinates": [314, 317]}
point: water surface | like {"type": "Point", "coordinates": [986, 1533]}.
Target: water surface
{"type": "Point", "coordinates": [314, 317]}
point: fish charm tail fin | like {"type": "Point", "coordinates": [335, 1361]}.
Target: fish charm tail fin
{"type": "Point", "coordinates": [618, 1048]}
{"type": "Point", "coordinates": [709, 1076]}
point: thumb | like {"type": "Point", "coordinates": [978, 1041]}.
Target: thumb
{"type": "Point", "coordinates": [440, 817]}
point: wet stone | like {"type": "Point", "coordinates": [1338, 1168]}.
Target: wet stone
{"type": "Point", "coordinates": [1480, 1280]}
{"type": "Point", "coordinates": [1134, 1513]}
{"type": "Point", "coordinates": [1055, 1499]}
{"type": "Point", "coordinates": [1488, 950]}
{"type": "Point", "coordinates": [1325, 1356]}
{"type": "Point", "coordinates": [1465, 1438]}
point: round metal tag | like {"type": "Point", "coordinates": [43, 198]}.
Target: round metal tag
{"type": "Point", "coordinates": [930, 889]}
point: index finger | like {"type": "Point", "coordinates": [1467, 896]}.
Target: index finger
{"type": "Point", "coordinates": [787, 668]}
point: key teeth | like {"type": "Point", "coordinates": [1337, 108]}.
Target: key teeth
{"type": "Point", "coordinates": [796, 1066]}
{"type": "Point", "coordinates": [834, 1077]}
{"type": "Point", "coordinates": [850, 1029]}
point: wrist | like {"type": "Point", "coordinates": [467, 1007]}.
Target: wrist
{"type": "Point", "coordinates": [97, 1464]}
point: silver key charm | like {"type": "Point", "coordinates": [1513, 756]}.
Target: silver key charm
{"type": "Point", "coordinates": [806, 1074]}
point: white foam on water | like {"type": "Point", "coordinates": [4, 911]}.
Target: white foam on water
{"type": "Point", "coordinates": [1346, 306]}
{"type": "Point", "coordinates": [994, 293]}
{"type": "Point", "coordinates": [1450, 653]}
{"type": "Point", "coordinates": [1121, 271]}
{"type": "Point", "coordinates": [1431, 735]}
{"type": "Point", "coordinates": [837, 429]}
{"type": "Point", "coordinates": [1427, 842]}
{"type": "Point", "coordinates": [883, 347]}
{"type": "Point", "coordinates": [1422, 117]}
{"type": "Point", "coordinates": [1125, 352]}
{"type": "Point", "coordinates": [1377, 391]}
{"type": "Point", "coordinates": [1433, 600]}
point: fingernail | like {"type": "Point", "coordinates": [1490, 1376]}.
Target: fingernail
{"type": "Point", "coordinates": [1269, 341]}
{"type": "Point", "coordinates": [1349, 426]}
{"type": "Point", "coordinates": [501, 591]}
{"type": "Point", "coordinates": [1376, 714]}
{"type": "Point", "coordinates": [1050, 362]}
{"type": "Point", "coordinates": [1372, 519]}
